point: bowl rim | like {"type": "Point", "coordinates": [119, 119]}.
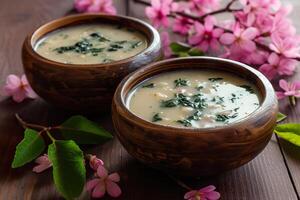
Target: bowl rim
{"type": "Point", "coordinates": [268, 100]}
{"type": "Point", "coordinates": [154, 39]}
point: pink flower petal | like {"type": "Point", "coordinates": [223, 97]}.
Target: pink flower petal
{"type": "Point", "coordinates": [90, 185]}
{"type": "Point", "coordinates": [273, 59]}
{"type": "Point", "coordinates": [249, 33]}
{"type": "Point", "coordinates": [19, 95]}
{"type": "Point", "coordinates": [40, 168]}
{"type": "Point", "coordinates": [213, 195]}
{"type": "Point", "coordinates": [209, 23]}
{"type": "Point", "coordinates": [227, 38]}
{"type": "Point", "coordinates": [297, 85]}
{"type": "Point", "coordinates": [29, 92]}
{"type": "Point", "coordinates": [190, 194]}
{"type": "Point", "coordinates": [217, 32]}
{"type": "Point", "coordinates": [99, 190]}
{"type": "Point", "coordinates": [208, 188]}
{"type": "Point", "coordinates": [284, 85]}
{"type": "Point", "coordinates": [248, 45]}
{"type": "Point", "coordinates": [114, 177]}
{"type": "Point", "coordinates": [113, 189]}
{"type": "Point", "coordinates": [204, 45]}
{"type": "Point", "coordinates": [101, 171]}
{"type": "Point", "coordinates": [13, 82]}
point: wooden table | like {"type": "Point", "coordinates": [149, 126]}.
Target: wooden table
{"type": "Point", "coordinates": [273, 175]}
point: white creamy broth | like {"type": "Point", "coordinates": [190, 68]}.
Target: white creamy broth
{"type": "Point", "coordinates": [194, 98]}
{"type": "Point", "coordinates": [91, 44]}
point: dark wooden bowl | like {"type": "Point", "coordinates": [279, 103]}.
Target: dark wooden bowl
{"type": "Point", "coordinates": [84, 87]}
{"type": "Point", "coordinates": [192, 151]}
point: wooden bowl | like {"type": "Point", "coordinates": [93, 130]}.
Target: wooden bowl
{"type": "Point", "coordinates": [84, 87]}
{"type": "Point", "coordinates": [195, 151]}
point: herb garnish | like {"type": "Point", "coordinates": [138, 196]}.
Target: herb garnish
{"type": "Point", "coordinates": [185, 122]}
{"type": "Point", "coordinates": [218, 99]}
{"type": "Point", "coordinates": [100, 37]}
{"type": "Point", "coordinates": [156, 118]}
{"type": "Point", "coordinates": [196, 101]}
{"type": "Point", "coordinates": [215, 79]}
{"type": "Point", "coordinates": [248, 88]}
{"type": "Point", "coordinates": [180, 82]}
{"type": "Point", "coordinates": [224, 118]}
{"type": "Point", "coordinates": [150, 85]}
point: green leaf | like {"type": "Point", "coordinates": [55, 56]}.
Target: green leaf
{"type": "Point", "coordinates": [29, 148]}
{"type": "Point", "coordinates": [178, 47]}
{"type": "Point", "coordinates": [84, 131]}
{"type": "Point", "coordinates": [68, 167]}
{"type": "Point", "coordinates": [289, 132]}
{"type": "Point", "coordinates": [280, 117]}
{"type": "Point", "coordinates": [195, 52]}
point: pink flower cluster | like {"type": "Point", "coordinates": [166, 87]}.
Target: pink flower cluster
{"type": "Point", "coordinates": [103, 182]}
{"type": "Point", "coordinates": [18, 88]}
{"type": "Point", "coordinates": [259, 33]}
{"type": "Point", "coordinates": [95, 6]}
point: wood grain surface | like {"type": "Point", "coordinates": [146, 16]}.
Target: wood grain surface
{"type": "Point", "coordinates": [273, 175]}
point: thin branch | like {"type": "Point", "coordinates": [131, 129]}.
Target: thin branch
{"type": "Point", "coordinates": [29, 125]}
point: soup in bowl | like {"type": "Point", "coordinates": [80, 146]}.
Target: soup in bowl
{"type": "Point", "coordinates": [76, 62]}
{"type": "Point", "coordinates": [195, 116]}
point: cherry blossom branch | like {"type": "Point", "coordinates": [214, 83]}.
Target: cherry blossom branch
{"type": "Point", "coordinates": [196, 18]}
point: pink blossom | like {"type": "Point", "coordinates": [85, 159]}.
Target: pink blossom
{"type": "Point", "coordinates": [18, 88]}
{"type": "Point", "coordinates": [206, 193]}
{"type": "Point", "coordinates": [278, 65]}
{"type": "Point", "coordinates": [240, 38]}
{"type": "Point", "coordinates": [289, 89]}
{"type": "Point", "coordinates": [43, 163]}
{"type": "Point", "coordinates": [159, 11]}
{"type": "Point", "coordinates": [104, 183]}
{"type": "Point", "coordinates": [95, 6]}
{"type": "Point", "coordinates": [166, 44]}
{"type": "Point", "coordinates": [95, 162]}
{"type": "Point", "coordinates": [288, 46]}
{"type": "Point", "coordinates": [182, 25]}
{"type": "Point", "coordinates": [206, 36]}
{"type": "Point", "coordinates": [282, 26]}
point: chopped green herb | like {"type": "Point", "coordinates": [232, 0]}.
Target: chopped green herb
{"type": "Point", "coordinates": [199, 87]}
{"type": "Point", "coordinates": [224, 118]}
{"type": "Point", "coordinates": [185, 122]}
{"type": "Point", "coordinates": [215, 79]}
{"type": "Point", "coordinates": [150, 85]}
{"type": "Point", "coordinates": [218, 99]}
{"type": "Point", "coordinates": [196, 101]}
{"type": "Point", "coordinates": [248, 88]}
{"type": "Point", "coordinates": [107, 60]}
{"type": "Point", "coordinates": [181, 82]}
{"type": "Point", "coordinates": [221, 118]}
{"type": "Point", "coordinates": [135, 44]}
{"type": "Point", "coordinates": [236, 109]}
{"type": "Point", "coordinates": [156, 118]}
{"type": "Point", "coordinates": [100, 37]}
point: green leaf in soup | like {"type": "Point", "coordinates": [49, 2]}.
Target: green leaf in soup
{"type": "Point", "coordinates": [289, 132]}
{"type": "Point", "coordinates": [68, 167]}
{"type": "Point", "coordinates": [84, 131]}
{"type": "Point", "coordinates": [178, 47]}
{"type": "Point", "coordinates": [29, 148]}
{"type": "Point", "coordinates": [280, 117]}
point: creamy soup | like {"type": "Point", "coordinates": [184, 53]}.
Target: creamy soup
{"type": "Point", "coordinates": [91, 44]}
{"type": "Point", "coordinates": [194, 98]}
